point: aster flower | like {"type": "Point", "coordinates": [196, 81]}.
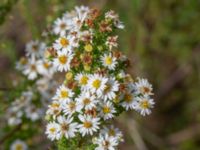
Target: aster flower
{"type": "Point", "coordinates": [107, 110]}
{"type": "Point", "coordinates": [53, 131]}
{"type": "Point", "coordinates": [18, 145]}
{"type": "Point", "coordinates": [89, 125]}
{"type": "Point", "coordinates": [109, 61]}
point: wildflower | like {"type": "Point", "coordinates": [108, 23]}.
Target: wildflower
{"type": "Point", "coordinates": [53, 131]}
{"type": "Point", "coordinates": [107, 110]}
{"type": "Point", "coordinates": [18, 145]}
{"type": "Point", "coordinates": [89, 125]}
{"type": "Point", "coordinates": [109, 61]}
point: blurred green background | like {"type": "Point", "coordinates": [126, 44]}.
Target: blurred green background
{"type": "Point", "coordinates": [162, 41]}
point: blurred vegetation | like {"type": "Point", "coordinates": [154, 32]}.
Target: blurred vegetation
{"type": "Point", "coordinates": [162, 40]}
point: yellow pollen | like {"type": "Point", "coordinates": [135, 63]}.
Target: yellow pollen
{"type": "Point", "coordinates": [88, 48]}
{"type": "Point", "coordinates": [64, 94]}
{"type": "Point", "coordinates": [52, 130]}
{"type": "Point", "coordinates": [62, 59]}
{"type": "Point", "coordinates": [84, 80]}
{"type": "Point", "coordinates": [96, 83]}
{"type": "Point", "coordinates": [64, 42]}
{"type": "Point", "coordinates": [55, 105]}
{"type": "Point", "coordinates": [106, 109]}
{"type": "Point", "coordinates": [46, 65]}
{"type": "Point", "coordinates": [86, 101]}
{"type": "Point", "coordinates": [128, 97]}
{"type": "Point", "coordinates": [144, 104]}
{"type": "Point", "coordinates": [108, 60]}
{"type": "Point", "coordinates": [19, 147]}
{"type": "Point", "coordinates": [87, 124]}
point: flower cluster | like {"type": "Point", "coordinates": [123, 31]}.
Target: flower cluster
{"type": "Point", "coordinates": [96, 88]}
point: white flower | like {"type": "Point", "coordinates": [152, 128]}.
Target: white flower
{"type": "Point", "coordinates": [107, 110]}
{"type": "Point", "coordinates": [112, 86]}
{"type": "Point", "coordinates": [70, 108]}
{"type": "Point", "coordinates": [31, 69]}
{"type": "Point", "coordinates": [96, 84]}
{"type": "Point", "coordinates": [53, 131]}
{"type": "Point", "coordinates": [143, 87]}
{"type": "Point", "coordinates": [62, 43]}
{"type": "Point", "coordinates": [130, 101]}
{"type": "Point", "coordinates": [18, 145]}
{"type": "Point", "coordinates": [82, 79]}
{"type": "Point", "coordinates": [63, 94]}
{"type": "Point", "coordinates": [45, 68]}
{"type": "Point", "coordinates": [111, 15]}
{"type": "Point", "coordinates": [144, 105]}
{"type": "Point", "coordinates": [109, 61]}
{"type": "Point", "coordinates": [87, 100]}
{"type": "Point", "coordinates": [62, 61]}
{"type": "Point", "coordinates": [68, 128]}
{"type": "Point", "coordinates": [35, 48]}
{"type": "Point", "coordinates": [54, 109]}
{"type": "Point", "coordinates": [113, 132]}
{"type": "Point", "coordinates": [105, 142]}
{"type": "Point", "coordinates": [89, 125]}
{"type": "Point", "coordinates": [61, 25]}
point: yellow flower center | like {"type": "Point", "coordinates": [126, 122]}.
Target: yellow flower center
{"type": "Point", "coordinates": [84, 80]}
{"type": "Point", "coordinates": [144, 104]}
{"type": "Point", "coordinates": [88, 48]}
{"type": "Point", "coordinates": [106, 109]}
{"type": "Point", "coordinates": [87, 124]}
{"type": "Point", "coordinates": [64, 42]}
{"type": "Point", "coordinates": [62, 59]}
{"type": "Point", "coordinates": [107, 88]}
{"type": "Point", "coordinates": [46, 65]}
{"type": "Point", "coordinates": [62, 25]}
{"type": "Point", "coordinates": [128, 97]}
{"type": "Point", "coordinates": [86, 101]}
{"type": "Point", "coordinates": [52, 130]}
{"type": "Point", "coordinates": [64, 94]}
{"type": "Point", "coordinates": [108, 60]}
{"type": "Point", "coordinates": [55, 105]}
{"type": "Point", "coordinates": [19, 147]}
{"type": "Point", "coordinates": [112, 132]}
{"type": "Point", "coordinates": [72, 105]}
{"type": "Point", "coordinates": [96, 83]}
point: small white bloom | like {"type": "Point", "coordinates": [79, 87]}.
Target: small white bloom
{"type": "Point", "coordinates": [130, 101]}
{"type": "Point", "coordinates": [87, 100]}
{"type": "Point", "coordinates": [62, 61]}
{"type": "Point", "coordinates": [18, 145]}
{"type": "Point", "coordinates": [143, 87]}
{"type": "Point", "coordinates": [144, 105]}
{"type": "Point", "coordinates": [31, 69]}
{"type": "Point", "coordinates": [45, 68]}
{"type": "Point", "coordinates": [33, 113]}
{"type": "Point", "coordinates": [61, 25]}
{"type": "Point", "coordinates": [107, 110]}
{"type": "Point", "coordinates": [112, 86]}
{"type": "Point", "coordinates": [53, 131]}
{"type": "Point", "coordinates": [63, 94]}
{"type": "Point", "coordinates": [96, 84]}
{"type": "Point", "coordinates": [109, 61]}
{"type": "Point", "coordinates": [68, 128]}
{"type": "Point", "coordinates": [105, 142]}
{"type": "Point", "coordinates": [35, 48]}
{"type": "Point", "coordinates": [82, 79]}
{"type": "Point", "coordinates": [63, 43]}
{"type": "Point", "coordinates": [89, 125]}
{"type": "Point", "coordinates": [54, 109]}
{"type": "Point", "coordinates": [70, 108]}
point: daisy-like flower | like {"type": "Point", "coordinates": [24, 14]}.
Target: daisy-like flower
{"type": "Point", "coordinates": [35, 48]}
{"type": "Point", "coordinates": [45, 68]}
{"type": "Point", "coordinates": [61, 26]}
{"type": "Point", "coordinates": [70, 108]}
{"type": "Point", "coordinates": [87, 101]}
{"type": "Point", "coordinates": [82, 79]}
{"type": "Point", "coordinates": [107, 110]}
{"type": "Point", "coordinates": [53, 131]}
{"type": "Point", "coordinates": [105, 142]}
{"type": "Point", "coordinates": [62, 43]}
{"type": "Point", "coordinates": [130, 101]}
{"type": "Point", "coordinates": [62, 61]}
{"type": "Point", "coordinates": [112, 86]}
{"type": "Point", "coordinates": [112, 41]}
{"type": "Point", "coordinates": [33, 113]}
{"type": "Point", "coordinates": [68, 128]}
{"type": "Point", "coordinates": [54, 109]}
{"type": "Point", "coordinates": [31, 69]}
{"type": "Point", "coordinates": [143, 87]}
{"type": "Point", "coordinates": [19, 145]}
{"type": "Point", "coordinates": [109, 61]}
{"type": "Point", "coordinates": [113, 132]}
{"type": "Point", "coordinates": [63, 94]}
{"type": "Point", "coordinates": [96, 84]}
{"type": "Point", "coordinates": [89, 124]}
{"type": "Point", "coordinates": [144, 105]}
